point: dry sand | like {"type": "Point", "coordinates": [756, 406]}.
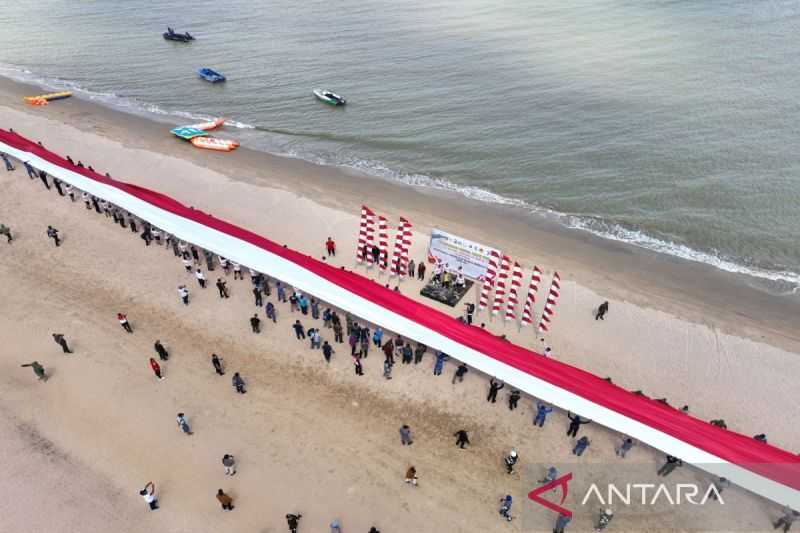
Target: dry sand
{"type": "Point", "coordinates": [310, 438]}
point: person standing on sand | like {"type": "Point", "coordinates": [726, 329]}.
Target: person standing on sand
{"type": "Point", "coordinates": [405, 435]}
{"type": "Point", "coordinates": [314, 309]}
{"type": "Point", "coordinates": [335, 527]}
{"type": "Point", "coordinates": [789, 517]}
{"type": "Point", "coordinates": [225, 500]}
{"type": "Point", "coordinates": [52, 233]}
{"type": "Point", "coordinates": [601, 311]}
{"type": "Point", "coordinates": [258, 297]}
{"type": "Point", "coordinates": [387, 368]}
{"type": "Point", "coordinates": [669, 466]}
{"type": "Point", "coordinates": [270, 311]}
{"type": "Point", "coordinates": [510, 460]}
{"type": "Point", "coordinates": [604, 519]}
{"type": "Point", "coordinates": [338, 334]}
{"type": "Point", "coordinates": [581, 446]}
{"type": "Point", "coordinates": [201, 279]}
{"type": "Point", "coordinates": [411, 269]}
{"type": "Point", "coordinates": [255, 324]}
{"type": "Point", "coordinates": [316, 340]}
{"type": "Point", "coordinates": [330, 247]}
{"type": "Point", "coordinates": [494, 386]}
{"type": "Point", "coordinates": [160, 350]}
{"type": "Point", "coordinates": [327, 351]}
{"type": "Point", "coordinates": [542, 410]}
{"type": "Point", "coordinates": [377, 336]}
{"type": "Point", "coordinates": [459, 373]}
{"type": "Point", "coordinates": [149, 495]}
{"type": "Point", "coordinates": [561, 523]}
{"type": "Point", "coordinates": [357, 367]}
{"type": "Point", "coordinates": [293, 521]}
{"type": "Point", "coordinates": [421, 271]}
{"type": "Point", "coordinates": [505, 507]}
{"type": "Point", "coordinates": [411, 476]}
{"type": "Point", "coordinates": [281, 291]}
{"type": "Point", "coordinates": [183, 424]}
{"type": "Point", "coordinates": [373, 529]}
{"type": "Point", "coordinates": [123, 321]}
{"type": "Point", "coordinates": [217, 364]}
{"type": "Point", "coordinates": [575, 423]}
{"type": "Point", "coordinates": [156, 368]}
{"type": "Point", "coordinates": [238, 383]}
{"type": "Point", "coordinates": [513, 398]}
{"type": "Point", "coordinates": [30, 170]}
{"type": "Point", "coordinates": [5, 230]}
{"type": "Point", "coordinates": [462, 439]}
{"type": "Point", "coordinates": [183, 294]}
{"type": "Point", "coordinates": [299, 332]}
{"type": "Point", "coordinates": [230, 464]}
{"type": "Point", "coordinates": [209, 260]}
{"type": "Point", "coordinates": [61, 341]}
{"type": "Point", "coordinates": [222, 288]}
{"type": "Point", "coordinates": [7, 161]}
{"type": "Point", "coordinates": [438, 366]}
{"type": "Point", "coordinates": [37, 369]}
{"type": "Point", "coordinates": [624, 447]}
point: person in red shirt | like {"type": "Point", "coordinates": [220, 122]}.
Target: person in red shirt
{"type": "Point", "coordinates": [123, 321]}
{"type": "Point", "coordinates": [156, 368]}
{"type": "Point", "coordinates": [330, 246]}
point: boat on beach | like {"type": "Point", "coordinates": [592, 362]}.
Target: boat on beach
{"type": "Point", "coordinates": [208, 126]}
{"type": "Point", "coordinates": [212, 143]}
{"type": "Point", "coordinates": [329, 97]}
{"type": "Point", "coordinates": [172, 35]}
{"type": "Point", "coordinates": [42, 99]}
{"type": "Point", "coordinates": [210, 75]}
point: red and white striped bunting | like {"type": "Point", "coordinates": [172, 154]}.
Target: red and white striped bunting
{"type": "Point", "coordinates": [516, 283]}
{"type": "Point", "coordinates": [488, 280]}
{"type": "Point", "coordinates": [552, 299]}
{"type": "Point", "coordinates": [500, 289]}
{"type": "Point", "coordinates": [533, 288]}
{"type": "Point", "coordinates": [370, 237]}
{"type": "Point", "coordinates": [367, 221]}
{"type": "Point", "coordinates": [383, 242]}
{"type": "Point", "coordinates": [406, 225]}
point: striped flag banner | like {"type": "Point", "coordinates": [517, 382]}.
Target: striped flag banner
{"type": "Point", "coordinates": [550, 304]}
{"type": "Point", "coordinates": [406, 246]}
{"type": "Point", "coordinates": [516, 283]}
{"type": "Point", "coordinates": [383, 242]}
{"type": "Point", "coordinates": [366, 221]}
{"type": "Point", "coordinates": [370, 237]}
{"type": "Point", "coordinates": [398, 248]}
{"type": "Point", "coordinates": [488, 280]}
{"type": "Point", "coordinates": [533, 288]}
{"type": "Point", "coordinates": [500, 289]}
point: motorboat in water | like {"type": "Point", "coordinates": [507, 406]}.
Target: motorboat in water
{"type": "Point", "coordinates": [210, 75]}
{"type": "Point", "coordinates": [329, 97]}
{"type": "Point", "coordinates": [172, 35]}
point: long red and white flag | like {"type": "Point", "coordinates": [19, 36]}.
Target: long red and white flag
{"type": "Point", "coordinates": [370, 237]}
{"type": "Point", "coordinates": [533, 288]}
{"type": "Point", "coordinates": [406, 246]}
{"type": "Point", "coordinates": [488, 279]}
{"type": "Point", "coordinates": [383, 242]}
{"type": "Point", "coordinates": [399, 247]}
{"type": "Point", "coordinates": [367, 221]}
{"type": "Point", "coordinates": [500, 289]}
{"type": "Point", "coordinates": [550, 304]}
{"type": "Point", "coordinates": [516, 283]}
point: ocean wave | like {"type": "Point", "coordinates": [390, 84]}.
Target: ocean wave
{"type": "Point", "coordinates": [619, 233]}
{"type": "Point", "coordinates": [787, 281]}
{"type": "Point", "coordinates": [110, 99]}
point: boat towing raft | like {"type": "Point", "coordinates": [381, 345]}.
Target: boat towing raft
{"type": "Point", "coordinates": [172, 35]}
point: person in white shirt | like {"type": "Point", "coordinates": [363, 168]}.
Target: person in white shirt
{"type": "Point", "coordinates": [187, 265]}
{"type": "Point", "coordinates": [237, 270]}
{"type": "Point", "coordinates": [148, 493]}
{"type": "Point", "coordinates": [183, 293]}
{"type": "Point", "coordinates": [201, 279]}
{"type": "Point", "coordinates": [70, 191]}
{"type": "Point", "coordinates": [183, 248]}
{"type": "Point", "coordinates": [156, 235]}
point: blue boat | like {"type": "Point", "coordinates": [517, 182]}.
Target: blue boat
{"type": "Point", "coordinates": [210, 75]}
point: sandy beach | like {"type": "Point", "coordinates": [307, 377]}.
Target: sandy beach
{"type": "Point", "coordinates": [310, 437]}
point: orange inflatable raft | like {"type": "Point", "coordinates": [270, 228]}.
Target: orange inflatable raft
{"type": "Point", "coordinates": [208, 126]}
{"type": "Point", "coordinates": [211, 143]}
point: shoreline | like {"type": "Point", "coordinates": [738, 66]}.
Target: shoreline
{"type": "Point", "coordinates": [698, 292]}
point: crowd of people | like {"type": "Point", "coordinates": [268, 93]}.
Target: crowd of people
{"type": "Point", "coordinates": [346, 328]}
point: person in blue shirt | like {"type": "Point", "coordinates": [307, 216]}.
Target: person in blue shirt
{"type": "Point", "coordinates": [377, 336]}
{"type": "Point", "coordinates": [441, 357]}
{"type": "Point", "coordinates": [541, 414]}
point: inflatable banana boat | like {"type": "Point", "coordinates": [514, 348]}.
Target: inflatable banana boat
{"type": "Point", "coordinates": [212, 143]}
{"type": "Point", "coordinates": [42, 99]}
